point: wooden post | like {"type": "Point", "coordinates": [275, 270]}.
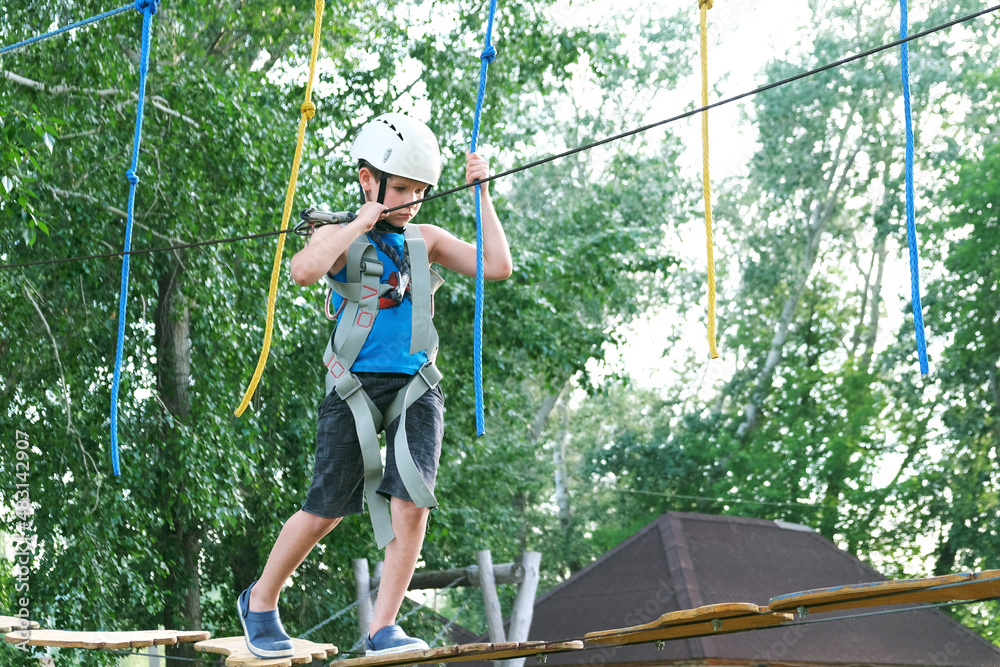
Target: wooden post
{"type": "Point", "coordinates": [524, 604]}
{"type": "Point", "coordinates": [494, 619]}
{"type": "Point", "coordinates": [375, 580]}
{"type": "Point", "coordinates": [362, 586]}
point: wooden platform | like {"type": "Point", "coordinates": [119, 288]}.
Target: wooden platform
{"type": "Point", "coordinates": [462, 653]}
{"type": "Point", "coordinates": [947, 588]}
{"type": "Point", "coordinates": [9, 623]}
{"type": "Point", "coordinates": [98, 640]}
{"type": "Point", "coordinates": [712, 619]}
{"type": "Point", "coordinates": [238, 653]}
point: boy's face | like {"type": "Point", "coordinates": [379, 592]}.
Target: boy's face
{"type": "Point", "coordinates": [399, 191]}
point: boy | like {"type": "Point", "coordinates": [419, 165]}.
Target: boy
{"type": "Point", "coordinates": [380, 364]}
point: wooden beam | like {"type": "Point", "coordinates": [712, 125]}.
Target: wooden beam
{"type": "Point", "coordinates": [504, 573]}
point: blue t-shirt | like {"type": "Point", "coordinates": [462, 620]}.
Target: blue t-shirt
{"type": "Point", "coordinates": [387, 349]}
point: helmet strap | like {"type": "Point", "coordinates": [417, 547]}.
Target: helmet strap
{"type": "Point", "coordinates": [381, 187]}
{"type": "Point", "coordinates": [382, 226]}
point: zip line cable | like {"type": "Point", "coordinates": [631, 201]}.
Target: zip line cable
{"type": "Point", "coordinates": [716, 499]}
{"type": "Point", "coordinates": [573, 151]}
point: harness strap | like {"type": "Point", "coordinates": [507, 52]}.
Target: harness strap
{"type": "Point", "coordinates": [421, 293]}
{"type": "Point", "coordinates": [367, 420]}
{"type": "Point", "coordinates": [426, 379]}
{"type": "Point", "coordinates": [353, 291]}
{"type": "Point", "coordinates": [364, 268]}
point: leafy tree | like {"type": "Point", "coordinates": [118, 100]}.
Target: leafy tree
{"type": "Point", "coordinates": [823, 400]}
{"type": "Point", "coordinates": [193, 514]}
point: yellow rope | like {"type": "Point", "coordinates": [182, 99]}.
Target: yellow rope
{"type": "Point", "coordinates": [705, 5]}
{"type": "Point", "coordinates": [308, 111]}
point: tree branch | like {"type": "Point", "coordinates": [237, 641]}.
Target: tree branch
{"type": "Point", "coordinates": [62, 89]}
{"type": "Point", "coordinates": [66, 399]}
{"type": "Point", "coordinates": [821, 215]}
{"type": "Point", "coordinates": [74, 135]}
{"type": "Point", "coordinates": [64, 194]}
{"type": "Point", "coordinates": [117, 211]}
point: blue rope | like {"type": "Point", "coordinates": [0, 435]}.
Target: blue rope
{"type": "Point", "coordinates": [488, 55]}
{"type": "Point", "coordinates": [148, 8]}
{"type": "Point", "coordinates": [59, 31]}
{"type": "Point", "coordinates": [911, 227]}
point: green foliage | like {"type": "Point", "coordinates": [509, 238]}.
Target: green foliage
{"type": "Point", "coordinates": [192, 519]}
{"type": "Point", "coordinates": [202, 493]}
{"type": "Point", "coordinates": [848, 440]}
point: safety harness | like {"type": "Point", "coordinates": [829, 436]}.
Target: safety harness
{"type": "Point", "coordinates": [361, 292]}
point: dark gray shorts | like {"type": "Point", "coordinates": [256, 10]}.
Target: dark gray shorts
{"type": "Point", "coordinates": [338, 475]}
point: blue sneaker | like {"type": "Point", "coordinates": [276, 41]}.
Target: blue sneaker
{"type": "Point", "coordinates": [392, 639]}
{"type": "Point", "coordinates": [262, 630]}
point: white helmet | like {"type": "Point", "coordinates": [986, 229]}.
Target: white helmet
{"type": "Point", "coordinates": [400, 146]}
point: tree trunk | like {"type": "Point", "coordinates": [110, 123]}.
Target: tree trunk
{"type": "Point", "coordinates": [823, 211]}
{"type": "Point", "coordinates": [559, 464]}
{"type": "Point", "coordinates": [882, 230]}
{"type": "Point", "coordinates": [875, 306]}
{"type": "Point", "coordinates": [180, 541]}
{"type": "Point", "coordinates": [947, 553]}
{"type": "Point", "coordinates": [538, 425]}
{"type": "Point", "coordinates": [543, 413]}
{"type": "Point", "coordinates": [863, 311]}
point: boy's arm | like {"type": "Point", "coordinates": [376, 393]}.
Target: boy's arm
{"type": "Point", "coordinates": [327, 247]}
{"type": "Point", "coordinates": [457, 255]}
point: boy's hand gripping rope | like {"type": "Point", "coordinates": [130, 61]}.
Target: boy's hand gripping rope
{"type": "Point", "coordinates": [911, 226]}
{"type": "Point", "coordinates": [308, 111]}
{"type": "Point", "coordinates": [704, 6]}
{"type": "Point", "coordinates": [147, 8]}
{"type": "Point", "coordinates": [488, 55]}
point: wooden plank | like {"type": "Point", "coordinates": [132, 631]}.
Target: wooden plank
{"type": "Point", "coordinates": [965, 586]}
{"type": "Point", "coordinates": [714, 619]}
{"type": "Point", "coordinates": [235, 648]}
{"type": "Point", "coordinates": [99, 640]}
{"type": "Point", "coordinates": [10, 623]}
{"type": "Point", "coordinates": [462, 653]}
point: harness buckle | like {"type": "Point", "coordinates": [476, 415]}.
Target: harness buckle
{"type": "Point", "coordinates": [432, 375]}
{"type": "Point", "coordinates": [371, 267]}
{"type": "Point", "coordinates": [348, 391]}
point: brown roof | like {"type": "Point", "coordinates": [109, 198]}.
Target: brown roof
{"type": "Point", "coordinates": [681, 561]}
